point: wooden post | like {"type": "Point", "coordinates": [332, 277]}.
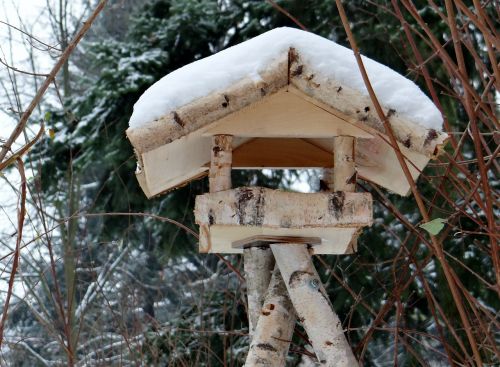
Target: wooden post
{"type": "Point", "coordinates": [313, 306]}
{"type": "Point", "coordinates": [272, 336]}
{"type": "Point", "coordinates": [344, 170]}
{"type": "Point", "coordinates": [219, 177]}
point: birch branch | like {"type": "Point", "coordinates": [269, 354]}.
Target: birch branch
{"type": "Point", "coordinates": [312, 305]}
{"type": "Point", "coordinates": [274, 329]}
{"type": "Point", "coordinates": [258, 264]}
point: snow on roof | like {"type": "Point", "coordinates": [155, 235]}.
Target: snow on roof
{"type": "Point", "coordinates": [250, 58]}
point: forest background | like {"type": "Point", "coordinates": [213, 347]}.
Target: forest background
{"type": "Point", "coordinates": [95, 274]}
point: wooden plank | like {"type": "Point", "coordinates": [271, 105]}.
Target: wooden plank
{"type": "Point", "coordinates": [280, 153]}
{"type": "Point", "coordinates": [377, 162]}
{"type": "Point", "coordinates": [220, 238]}
{"type": "Point", "coordinates": [173, 164]}
{"type": "Point", "coordinates": [285, 115]}
{"type": "Point", "coordinates": [262, 241]}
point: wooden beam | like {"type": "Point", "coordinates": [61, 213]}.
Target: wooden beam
{"type": "Point", "coordinates": [263, 207]}
{"type": "Point", "coordinates": [280, 153]}
{"type": "Point", "coordinates": [232, 215]}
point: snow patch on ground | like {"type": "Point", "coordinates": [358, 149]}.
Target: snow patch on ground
{"type": "Point", "coordinates": [248, 59]}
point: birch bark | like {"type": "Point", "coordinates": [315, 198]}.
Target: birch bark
{"type": "Point", "coordinates": [272, 336]}
{"type": "Point", "coordinates": [219, 177]}
{"type": "Point", "coordinates": [344, 170]}
{"type": "Point", "coordinates": [313, 306]}
{"type": "Point", "coordinates": [258, 264]}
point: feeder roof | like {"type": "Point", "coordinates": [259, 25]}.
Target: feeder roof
{"type": "Point", "coordinates": [281, 70]}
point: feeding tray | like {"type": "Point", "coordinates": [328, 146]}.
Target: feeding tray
{"type": "Point", "coordinates": [232, 216]}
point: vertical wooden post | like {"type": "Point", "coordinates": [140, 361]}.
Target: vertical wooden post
{"type": "Point", "coordinates": [219, 178]}
{"type": "Point", "coordinates": [303, 283]}
{"type": "Point", "coordinates": [258, 263]}
{"type": "Point", "coordinates": [313, 306]}
{"type": "Point", "coordinates": [272, 336]}
{"type": "Point", "coordinates": [344, 170]}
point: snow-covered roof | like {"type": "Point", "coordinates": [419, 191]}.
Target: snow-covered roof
{"type": "Point", "coordinates": [287, 84]}
{"type": "Point", "coordinates": [328, 60]}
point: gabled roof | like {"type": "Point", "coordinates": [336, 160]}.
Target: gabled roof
{"type": "Point", "coordinates": [257, 90]}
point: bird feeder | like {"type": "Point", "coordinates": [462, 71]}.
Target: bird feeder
{"type": "Point", "coordinates": [287, 99]}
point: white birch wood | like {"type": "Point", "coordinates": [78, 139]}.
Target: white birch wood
{"type": "Point", "coordinates": [274, 329]}
{"type": "Point", "coordinates": [344, 170]}
{"type": "Point", "coordinates": [262, 207]}
{"type": "Point", "coordinates": [258, 264]}
{"type": "Point", "coordinates": [312, 305]}
{"type": "Point", "coordinates": [327, 179]}
{"type": "Point", "coordinates": [220, 163]}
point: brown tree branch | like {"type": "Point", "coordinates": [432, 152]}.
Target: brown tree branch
{"type": "Point", "coordinates": [52, 75]}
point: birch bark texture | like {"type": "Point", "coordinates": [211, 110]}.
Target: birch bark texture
{"type": "Point", "coordinates": [274, 330]}
{"type": "Point", "coordinates": [344, 169]}
{"type": "Point", "coordinates": [258, 264]}
{"type": "Point", "coordinates": [221, 158]}
{"type": "Point", "coordinates": [312, 305]}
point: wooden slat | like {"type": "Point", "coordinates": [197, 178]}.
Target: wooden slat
{"type": "Point", "coordinates": [219, 238]}
{"type": "Point", "coordinates": [280, 153]}
{"type": "Point", "coordinates": [262, 240]}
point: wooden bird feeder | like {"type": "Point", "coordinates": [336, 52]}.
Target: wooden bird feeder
{"type": "Point", "coordinates": [293, 115]}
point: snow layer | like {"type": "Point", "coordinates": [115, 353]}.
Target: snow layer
{"type": "Point", "coordinates": [328, 60]}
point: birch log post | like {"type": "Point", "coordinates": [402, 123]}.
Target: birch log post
{"type": "Point", "coordinates": [274, 330]}
{"type": "Point", "coordinates": [219, 177]}
{"type": "Point", "coordinates": [258, 264]}
{"type": "Point", "coordinates": [313, 306]}
{"type": "Point", "coordinates": [344, 170]}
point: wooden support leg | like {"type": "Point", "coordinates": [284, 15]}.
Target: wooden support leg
{"type": "Point", "coordinates": [312, 305]}
{"type": "Point", "coordinates": [271, 340]}
{"type": "Point", "coordinates": [258, 264]}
